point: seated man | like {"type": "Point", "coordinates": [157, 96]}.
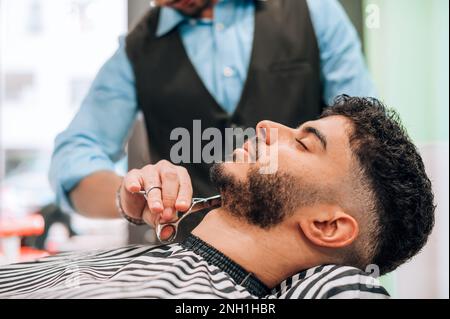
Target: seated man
{"type": "Point", "coordinates": [350, 194]}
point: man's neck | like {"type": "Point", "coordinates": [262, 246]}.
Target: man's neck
{"type": "Point", "coordinates": [268, 254]}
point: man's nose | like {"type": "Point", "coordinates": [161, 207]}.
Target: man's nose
{"type": "Point", "coordinates": [270, 132]}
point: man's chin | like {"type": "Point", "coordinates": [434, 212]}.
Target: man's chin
{"type": "Point", "coordinates": [236, 170]}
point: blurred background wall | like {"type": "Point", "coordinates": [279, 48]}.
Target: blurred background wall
{"type": "Point", "coordinates": [408, 55]}
{"type": "Point", "coordinates": [50, 51]}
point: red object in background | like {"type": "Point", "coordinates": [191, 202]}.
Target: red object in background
{"type": "Point", "coordinates": [30, 254]}
{"type": "Point", "coordinates": [33, 225]}
{"type": "Point", "coordinates": [29, 226]}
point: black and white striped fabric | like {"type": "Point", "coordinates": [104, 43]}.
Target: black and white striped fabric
{"type": "Point", "coordinates": [330, 282]}
{"type": "Point", "coordinates": [171, 271]}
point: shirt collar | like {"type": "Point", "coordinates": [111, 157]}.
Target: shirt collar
{"type": "Point", "coordinates": [168, 20]}
{"type": "Point", "coordinates": [235, 271]}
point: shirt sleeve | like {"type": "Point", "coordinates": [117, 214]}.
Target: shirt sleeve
{"type": "Point", "coordinates": [96, 137]}
{"type": "Point", "coordinates": [343, 68]}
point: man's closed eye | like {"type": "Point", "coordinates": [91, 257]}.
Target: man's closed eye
{"type": "Point", "coordinates": [302, 144]}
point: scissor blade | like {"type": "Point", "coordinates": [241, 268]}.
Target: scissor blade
{"type": "Point", "coordinates": [199, 204]}
{"type": "Point", "coordinates": [211, 202]}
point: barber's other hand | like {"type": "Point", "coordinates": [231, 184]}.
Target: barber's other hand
{"type": "Point", "coordinates": [176, 194]}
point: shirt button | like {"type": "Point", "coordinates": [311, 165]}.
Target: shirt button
{"type": "Point", "coordinates": [220, 26]}
{"type": "Point", "coordinates": [228, 72]}
{"type": "Point", "coordinates": [193, 22]}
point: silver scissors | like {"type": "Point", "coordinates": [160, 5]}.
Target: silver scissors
{"type": "Point", "coordinates": [197, 205]}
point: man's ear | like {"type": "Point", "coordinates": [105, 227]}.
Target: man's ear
{"type": "Point", "coordinates": [329, 226]}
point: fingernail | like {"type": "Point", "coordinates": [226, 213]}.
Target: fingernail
{"type": "Point", "coordinates": [182, 203]}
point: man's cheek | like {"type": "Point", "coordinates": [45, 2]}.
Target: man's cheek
{"type": "Point", "coordinates": [278, 157]}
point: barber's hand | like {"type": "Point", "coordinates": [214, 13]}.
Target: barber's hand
{"type": "Point", "coordinates": [176, 194]}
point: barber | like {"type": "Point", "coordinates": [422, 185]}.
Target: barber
{"type": "Point", "coordinates": [229, 63]}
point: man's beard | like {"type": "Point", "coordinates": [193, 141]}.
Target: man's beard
{"type": "Point", "coordinates": [200, 9]}
{"type": "Point", "coordinates": [262, 200]}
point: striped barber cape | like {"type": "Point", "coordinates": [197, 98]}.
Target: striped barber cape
{"type": "Point", "coordinates": [190, 270]}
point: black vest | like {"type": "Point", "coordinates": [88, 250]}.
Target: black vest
{"type": "Point", "coordinates": [283, 83]}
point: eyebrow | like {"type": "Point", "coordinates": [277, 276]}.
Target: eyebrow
{"type": "Point", "coordinates": [320, 136]}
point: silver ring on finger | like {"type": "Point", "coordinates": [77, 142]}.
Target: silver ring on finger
{"type": "Point", "coordinates": [152, 188]}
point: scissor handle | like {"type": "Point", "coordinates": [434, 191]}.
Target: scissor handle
{"type": "Point", "coordinates": [197, 205]}
{"type": "Point", "coordinates": [160, 228]}
{"type": "Point", "coordinates": [174, 225]}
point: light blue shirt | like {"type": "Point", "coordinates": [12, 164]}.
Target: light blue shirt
{"type": "Point", "coordinates": [220, 51]}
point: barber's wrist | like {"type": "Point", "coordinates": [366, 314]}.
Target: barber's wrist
{"type": "Point", "coordinates": [131, 220]}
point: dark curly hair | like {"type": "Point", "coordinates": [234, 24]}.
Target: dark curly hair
{"type": "Point", "coordinates": [393, 169]}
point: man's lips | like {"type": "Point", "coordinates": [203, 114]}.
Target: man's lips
{"type": "Point", "coordinates": [242, 150]}
{"type": "Point", "coordinates": [251, 148]}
